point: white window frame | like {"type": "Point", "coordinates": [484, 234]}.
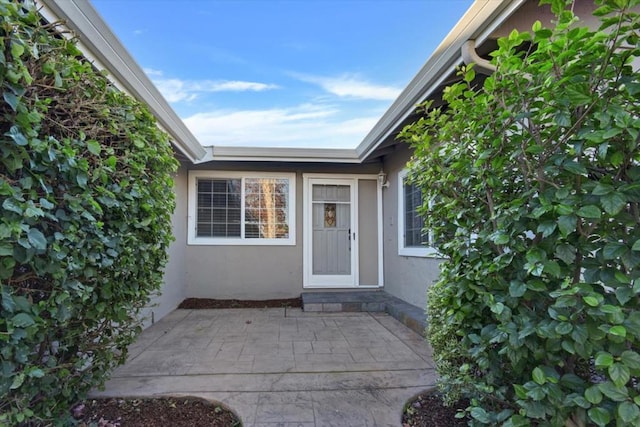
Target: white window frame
{"type": "Point", "coordinates": [193, 239]}
{"type": "Point", "coordinates": [413, 251]}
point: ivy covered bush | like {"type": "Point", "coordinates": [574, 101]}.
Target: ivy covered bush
{"type": "Point", "coordinates": [85, 204]}
{"type": "Point", "coordinates": [533, 177]}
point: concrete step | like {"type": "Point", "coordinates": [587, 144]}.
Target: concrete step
{"type": "Point", "coordinates": [366, 301]}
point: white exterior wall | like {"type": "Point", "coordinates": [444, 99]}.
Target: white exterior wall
{"type": "Point", "coordinates": [173, 289]}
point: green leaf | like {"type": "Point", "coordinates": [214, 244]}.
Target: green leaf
{"type": "Point", "coordinates": [591, 300]}
{"type": "Point", "coordinates": [580, 334]}
{"type": "Point", "coordinates": [575, 167]}
{"type": "Point", "coordinates": [46, 204]}
{"type": "Point", "coordinates": [17, 50]}
{"type": "Point", "coordinates": [618, 330]}
{"type": "Point", "coordinates": [553, 268]}
{"type": "Point", "coordinates": [517, 289]}
{"type": "Point", "coordinates": [601, 189]}
{"type": "Point", "coordinates": [610, 308]}
{"type": "Point", "coordinates": [567, 224]}
{"type": "Point", "coordinates": [469, 75]}
{"type": "Point", "coordinates": [600, 416]}
{"type": "Point", "coordinates": [619, 374]}
{"type": "Point", "coordinates": [624, 294]}
{"type": "Point", "coordinates": [11, 99]}
{"type": "Point", "coordinates": [628, 412]}
{"type": "Point", "coordinates": [82, 179]}
{"type": "Point", "coordinates": [617, 394]}
{"type": "Point", "coordinates": [603, 359]}
{"type": "Point", "coordinates": [590, 211]}
{"type": "Point", "coordinates": [613, 203]}
{"type": "Point", "coordinates": [8, 305]}
{"type": "Point", "coordinates": [564, 328]}
{"type": "Point", "coordinates": [36, 373]}
{"type": "Point", "coordinates": [566, 253]}
{"type": "Point", "coordinates": [94, 147]}
{"type": "Point", "coordinates": [546, 228]}
{"type": "Point", "coordinates": [520, 391]}
{"type": "Point", "coordinates": [538, 376]}
{"type": "Point", "coordinates": [17, 136]}
{"type": "Point", "coordinates": [636, 246]}
{"type": "Point", "coordinates": [536, 393]}
{"type": "Point", "coordinates": [613, 250]}
{"type": "Point", "coordinates": [480, 415]}
{"type": "Point", "coordinates": [611, 133]}
{"type": "Point", "coordinates": [22, 320]}
{"type": "Point", "coordinates": [537, 26]}
{"type": "Point", "coordinates": [577, 97]}
{"type": "Point", "coordinates": [593, 395]}
{"type": "Point", "coordinates": [617, 158]}
{"type": "Point", "coordinates": [18, 380]}
{"type": "Point", "coordinates": [501, 239]}
{"type": "Point", "coordinates": [37, 239]}
{"type": "Point", "coordinates": [631, 359]}
{"type": "Point", "coordinates": [562, 118]}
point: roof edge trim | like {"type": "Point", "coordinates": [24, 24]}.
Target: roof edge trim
{"type": "Point", "coordinates": [103, 47]}
{"type": "Point", "coordinates": [282, 154]}
{"type": "Point", "coordinates": [476, 23]}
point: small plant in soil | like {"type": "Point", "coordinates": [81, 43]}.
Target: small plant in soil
{"type": "Point", "coordinates": [175, 412]}
{"type": "Point", "coordinates": [428, 409]}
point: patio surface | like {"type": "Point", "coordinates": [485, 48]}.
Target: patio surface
{"type": "Point", "coordinates": [281, 367]}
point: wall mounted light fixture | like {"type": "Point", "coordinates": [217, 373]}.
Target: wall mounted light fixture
{"type": "Point", "coordinates": [382, 179]}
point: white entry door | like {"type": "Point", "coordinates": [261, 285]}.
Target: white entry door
{"type": "Point", "coordinates": [331, 245]}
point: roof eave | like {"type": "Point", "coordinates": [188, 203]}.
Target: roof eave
{"type": "Point", "coordinates": [477, 23]}
{"type": "Point", "coordinates": [100, 45]}
{"type": "Point", "coordinates": [271, 154]}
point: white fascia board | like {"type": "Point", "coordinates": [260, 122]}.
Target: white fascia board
{"type": "Point", "coordinates": [478, 22]}
{"type": "Point", "coordinates": [281, 154]}
{"type": "Point", "coordinates": [100, 45]}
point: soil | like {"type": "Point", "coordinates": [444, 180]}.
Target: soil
{"type": "Point", "coordinates": [428, 410]}
{"type": "Point", "coordinates": [204, 303]}
{"type": "Point", "coordinates": [175, 412]}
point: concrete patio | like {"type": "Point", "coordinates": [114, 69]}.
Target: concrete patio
{"type": "Point", "coordinates": [281, 367]}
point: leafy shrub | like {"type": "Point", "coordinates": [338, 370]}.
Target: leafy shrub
{"type": "Point", "coordinates": [442, 331]}
{"type": "Point", "coordinates": [534, 180]}
{"type": "Point", "coordinates": [85, 204]}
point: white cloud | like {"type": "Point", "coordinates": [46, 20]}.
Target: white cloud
{"type": "Point", "coordinates": [151, 72]}
{"type": "Point", "coordinates": [177, 90]}
{"type": "Point", "coordinates": [352, 86]}
{"type": "Point", "coordinates": [301, 126]}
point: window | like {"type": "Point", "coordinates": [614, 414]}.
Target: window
{"type": "Point", "coordinates": [232, 208]}
{"type": "Point", "coordinates": [412, 239]}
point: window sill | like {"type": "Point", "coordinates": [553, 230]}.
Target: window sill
{"type": "Point", "coordinates": [419, 252]}
{"type": "Point", "coordinates": [240, 242]}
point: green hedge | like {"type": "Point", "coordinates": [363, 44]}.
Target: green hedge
{"type": "Point", "coordinates": [85, 204]}
{"type": "Point", "coordinates": [534, 181]}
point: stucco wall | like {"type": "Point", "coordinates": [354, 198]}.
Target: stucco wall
{"type": "Point", "coordinates": [405, 277]}
{"type": "Point", "coordinates": [173, 290]}
{"type": "Point", "coordinates": [368, 232]}
{"type": "Point", "coordinates": [254, 272]}
{"type": "Point", "coordinates": [532, 11]}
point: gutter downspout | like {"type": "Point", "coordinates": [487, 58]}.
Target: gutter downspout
{"type": "Point", "coordinates": [469, 55]}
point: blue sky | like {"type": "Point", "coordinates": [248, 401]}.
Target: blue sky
{"type": "Point", "coordinates": [297, 73]}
